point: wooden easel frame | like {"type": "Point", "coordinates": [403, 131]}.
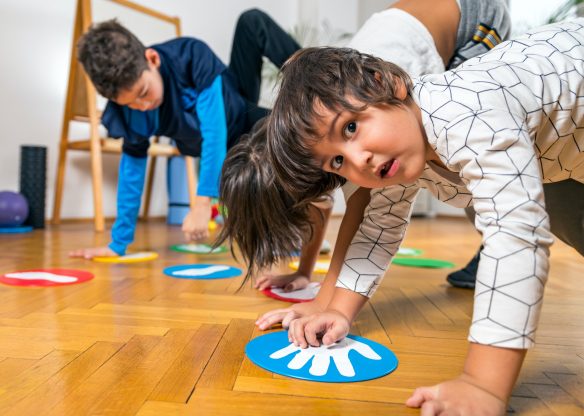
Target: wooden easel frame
{"type": "Point", "coordinates": [81, 105]}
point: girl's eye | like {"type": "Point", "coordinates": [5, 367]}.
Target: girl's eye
{"type": "Point", "coordinates": [350, 128]}
{"type": "Point", "coordinates": [337, 162]}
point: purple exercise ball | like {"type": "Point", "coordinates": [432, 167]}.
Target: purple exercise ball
{"type": "Point", "coordinates": [13, 209]}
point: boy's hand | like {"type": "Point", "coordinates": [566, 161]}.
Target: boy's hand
{"type": "Point", "coordinates": [329, 325]}
{"type": "Point", "coordinates": [288, 282]}
{"type": "Point", "coordinates": [460, 396]}
{"type": "Point", "coordinates": [89, 253]}
{"type": "Point", "coordinates": [286, 315]}
{"type": "Point", "coordinates": [196, 223]}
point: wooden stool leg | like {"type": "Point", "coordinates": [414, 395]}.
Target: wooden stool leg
{"type": "Point", "coordinates": [149, 182]}
{"type": "Point", "coordinates": [96, 164]}
{"type": "Point", "coordinates": [60, 179]}
{"type": "Point", "coordinates": [67, 114]}
{"type": "Point", "coordinates": [97, 180]}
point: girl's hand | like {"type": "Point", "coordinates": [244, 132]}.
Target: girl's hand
{"type": "Point", "coordinates": [460, 396]}
{"type": "Point", "coordinates": [331, 325]}
{"type": "Point", "coordinates": [288, 282]}
{"type": "Point", "coordinates": [286, 315]}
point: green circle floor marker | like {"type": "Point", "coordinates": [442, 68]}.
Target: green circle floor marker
{"type": "Point", "coordinates": [421, 262]}
{"type": "Point", "coordinates": [198, 248]}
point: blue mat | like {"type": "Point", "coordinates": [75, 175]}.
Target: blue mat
{"type": "Point", "coordinates": [352, 359]}
{"type": "Point", "coordinates": [16, 230]}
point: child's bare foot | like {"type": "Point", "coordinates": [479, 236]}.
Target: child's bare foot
{"type": "Point", "coordinates": [89, 253]}
{"type": "Point", "coordinates": [288, 282]}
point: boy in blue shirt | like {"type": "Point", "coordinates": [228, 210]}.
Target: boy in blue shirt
{"type": "Point", "coordinates": [178, 89]}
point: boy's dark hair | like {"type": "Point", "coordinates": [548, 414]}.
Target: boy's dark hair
{"type": "Point", "coordinates": [338, 79]}
{"type": "Point", "coordinates": [261, 217]}
{"type": "Point", "coordinates": [112, 56]}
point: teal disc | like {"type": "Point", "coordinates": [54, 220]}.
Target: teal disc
{"type": "Point", "coordinates": [420, 262]}
{"type": "Point", "coordinates": [198, 249]}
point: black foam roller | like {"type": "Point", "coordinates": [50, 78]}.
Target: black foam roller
{"type": "Point", "coordinates": [33, 180]}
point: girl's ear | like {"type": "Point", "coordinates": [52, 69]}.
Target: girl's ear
{"type": "Point", "coordinates": [401, 92]}
{"type": "Point", "coordinates": [152, 57]}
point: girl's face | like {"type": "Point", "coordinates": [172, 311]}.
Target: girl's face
{"type": "Point", "coordinates": [374, 148]}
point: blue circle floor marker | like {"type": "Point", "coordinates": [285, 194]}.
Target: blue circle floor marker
{"type": "Point", "coordinates": [16, 230]}
{"type": "Point", "coordinates": [352, 359]}
{"type": "Point", "coordinates": [202, 271]}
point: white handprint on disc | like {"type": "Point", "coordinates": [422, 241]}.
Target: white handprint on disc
{"type": "Point", "coordinates": [309, 292]}
{"type": "Point", "coordinates": [339, 352]}
{"type": "Point", "coordinates": [202, 271]}
{"type": "Point", "coordinates": [51, 277]}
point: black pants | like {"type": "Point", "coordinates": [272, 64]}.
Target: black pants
{"type": "Point", "coordinates": [257, 36]}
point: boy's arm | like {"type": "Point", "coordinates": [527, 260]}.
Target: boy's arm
{"type": "Point", "coordinates": [349, 225]}
{"type": "Point", "coordinates": [309, 254]}
{"type": "Point", "coordinates": [368, 257]}
{"type": "Point", "coordinates": [503, 174]}
{"type": "Point", "coordinates": [130, 187]}
{"type": "Point", "coordinates": [211, 112]}
{"type": "Point", "coordinates": [334, 308]}
{"type": "Point", "coordinates": [493, 369]}
{"type": "Point", "coordinates": [486, 383]}
{"type": "Point", "coordinates": [377, 239]}
{"type": "Point", "coordinates": [122, 122]}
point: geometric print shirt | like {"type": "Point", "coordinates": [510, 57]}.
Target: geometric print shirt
{"type": "Point", "coordinates": [503, 124]}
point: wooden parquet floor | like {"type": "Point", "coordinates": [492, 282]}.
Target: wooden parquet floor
{"type": "Point", "coordinates": [136, 342]}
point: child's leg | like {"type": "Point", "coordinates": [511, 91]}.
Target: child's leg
{"type": "Point", "coordinates": [565, 205]}
{"type": "Point", "coordinates": [257, 35]}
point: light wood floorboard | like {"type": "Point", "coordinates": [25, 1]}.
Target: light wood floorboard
{"type": "Point", "coordinates": [136, 342]}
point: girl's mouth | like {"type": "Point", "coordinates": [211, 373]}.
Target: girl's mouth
{"type": "Point", "coordinates": [389, 168]}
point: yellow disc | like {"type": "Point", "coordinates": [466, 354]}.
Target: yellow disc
{"type": "Point", "coordinates": [128, 258]}
{"type": "Point", "coordinates": [321, 266]}
{"type": "Point", "coordinates": [212, 225]}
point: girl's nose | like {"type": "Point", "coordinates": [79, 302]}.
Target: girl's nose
{"type": "Point", "coordinates": [362, 158]}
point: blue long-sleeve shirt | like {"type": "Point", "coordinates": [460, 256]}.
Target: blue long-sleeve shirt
{"type": "Point", "coordinates": [211, 111]}
{"type": "Point", "coordinates": [202, 112]}
{"type": "Point", "coordinates": [130, 186]}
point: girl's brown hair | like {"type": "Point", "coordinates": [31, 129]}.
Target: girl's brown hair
{"type": "Point", "coordinates": [261, 217]}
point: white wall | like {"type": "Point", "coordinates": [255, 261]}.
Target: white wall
{"type": "Point", "coordinates": [35, 42]}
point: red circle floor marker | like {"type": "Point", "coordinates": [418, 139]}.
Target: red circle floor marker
{"type": "Point", "coordinates": [296, 296]}
{"type": "Point", "coordinates": [45, 277]}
